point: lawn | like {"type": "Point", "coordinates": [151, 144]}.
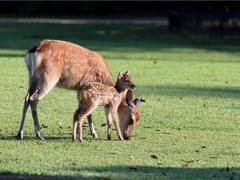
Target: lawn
{"type": "Point", "coordinates": [190, 125]}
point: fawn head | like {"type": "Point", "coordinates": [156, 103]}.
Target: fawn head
{"type": "Point", "coordinates": [129, 115]}
{"type": "Point", "coordinates": [124, 81]}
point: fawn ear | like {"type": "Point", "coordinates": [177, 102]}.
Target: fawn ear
{"type": "Point", "coordinates": [136, 101]}
{"type": "Point", "coordinates": [129, 97]}
{"type": "Point", "coordinates": [127, 72]}
{"type": "Point", "coordinates": [120, 75]}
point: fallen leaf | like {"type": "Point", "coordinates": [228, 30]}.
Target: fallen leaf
{"type": "Point", "coordinates": [131, 157]}
{"type": "Point", "coordinates": [44, 126]}
{"type": "Point", "coordinates": [163, 173]}
{"type": "Point", "coordinates": [133, 168]}
{"type": "Point", "coordinates": [146, 127]}
{"type": "Point", "coordinates": [213, 157]}
{"type": "Point", "coordinates": [166, 133]}
{"type": "Point", "coordinates": [187, 163]}
{"type": "Point", "coordinates": [154, 157]}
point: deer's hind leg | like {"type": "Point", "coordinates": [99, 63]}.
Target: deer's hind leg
{"type": "Point", "coordinates": [38, 88]}
{"type": "Point", "coordinates": [81, 113]}
{"type": "Point", "coordinates": [91, 126]}
{"type": "Point", "coordinates": [89, 118]}
{"type": "Point", "coordinates": [25, 108]}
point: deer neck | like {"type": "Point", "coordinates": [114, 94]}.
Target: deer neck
{"type": "Point", "coordinates": [122, 94]}
{"type": "Point", "coordinates": [118, 88]}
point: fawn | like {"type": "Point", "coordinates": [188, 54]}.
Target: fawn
{"type": "Point", "coordinates": [93, 94]}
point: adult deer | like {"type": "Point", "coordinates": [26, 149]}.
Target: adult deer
{"type": "Point", "coordinates": [59, 63]}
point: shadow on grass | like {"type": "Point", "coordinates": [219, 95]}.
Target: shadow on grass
{"type": "Point", "coordinates": [32, 138]}
{"type": "Point", "coordinates": [59, 137]}
{"type": "Point", "coordinates": [136, 172]}
{"type": "Point", "coordinates": [110, 37]}
{"type": "Point", "coordinates": [161, 172]}
{"type": "Point", "coordinates": [185, 90]}
{"type": "Point", "coordinates": [7, 175]}
{"type": "Point", "coordinates": [11, 56]}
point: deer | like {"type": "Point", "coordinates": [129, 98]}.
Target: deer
{"type": "Point", "coordinates": [129, 114]}
{"type": "Point", "coordinates": [94, 94]}
{"type": "Point", "coordinates": [66, 65]}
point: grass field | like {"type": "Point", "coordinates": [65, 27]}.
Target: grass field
{"type": "Point", "coordinates": [190, 126]}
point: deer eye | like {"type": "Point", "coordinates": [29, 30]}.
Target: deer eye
{"type": "Point", "coordinates": [126, 80]}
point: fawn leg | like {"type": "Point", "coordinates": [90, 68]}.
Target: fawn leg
{"type": "Point", "coordinates": [74, 135]}
{"type": "Point", "coordinates": [91, 126]}
{"type": "Point", "coordinates": [82, 113]}
{"type": "Point", "coordinates": [116, 122]}
{"type": "Point", "coordinates": [109, 121]}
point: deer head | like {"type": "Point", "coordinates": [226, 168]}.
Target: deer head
{"type": "Point", "coordinates": [124, 81]}
{"type": "Point", "coordinates": [129, 114]}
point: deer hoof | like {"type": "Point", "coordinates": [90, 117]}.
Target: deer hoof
{"type": "Point", "coordinates": [81, 140]}
{"type": "Point", "coordinates": [95, 136]}
{"type": "Point", "coordinates": [121, 139]}
{"type": "Point", "coordinates": [19, 136]}
{"type": "Point", "coordinates": [41, 138]}
{"type": "Point", "coordinates": [109, 138]}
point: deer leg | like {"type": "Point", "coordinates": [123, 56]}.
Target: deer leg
{"type": "Point", "coordinates": [116, 122]}
{"type": "Point", "coordinates": [25, 108]}
{"type": "Point", "coordinates": [109, 121]}
{"type": "Point", "coordinates": [75, 125]}
{"type": "Point", "coordinates": [91, 126]}
{"type": "Point", "coordinates": [81, 114]}
{"type": "Point", "coordinates": [80, 123]}
{"type": "Point", "coordinates": [39, 87]}
{"type": "Point", "coordinates": [74, 134]}
{"type": "Point", "coordinates": [33, 105]}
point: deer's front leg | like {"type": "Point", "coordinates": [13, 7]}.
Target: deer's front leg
{"type": "Point", "coordinates": [116, 121]}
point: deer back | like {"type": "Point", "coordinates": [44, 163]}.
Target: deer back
{"type": "Point", "coordinates": [72, 64]}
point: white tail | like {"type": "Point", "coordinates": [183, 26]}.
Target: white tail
{"type": "Point", "coordinates": [64, 64]}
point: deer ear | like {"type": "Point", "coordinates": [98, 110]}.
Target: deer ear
{"type": "Point", "coordinates": [136, 101]}
{"type": "Point", "coordinates": [120, 75]}
{"type": "Point", "coordinates": [129, 97]}
{"type": "Point", "coordinates": [127, 72]}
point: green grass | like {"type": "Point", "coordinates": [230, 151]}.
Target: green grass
{"type": "Point", "coordinates": [190, 120]}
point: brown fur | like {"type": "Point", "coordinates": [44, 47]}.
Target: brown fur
{"type": "Point", "coordinates": [93, 94]}
{"type": "Point", "coordinates": [61, 63]}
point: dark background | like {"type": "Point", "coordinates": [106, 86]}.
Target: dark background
{"type": "Point", "coordinates": [221, 18]}
{"type": "Point", "coordinates": [112, 8]}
